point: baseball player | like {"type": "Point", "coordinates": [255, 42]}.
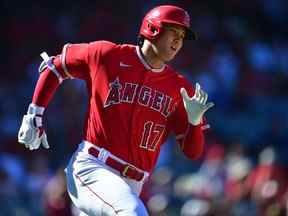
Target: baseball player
{"type": "Point", "coordinates": [135, 101]}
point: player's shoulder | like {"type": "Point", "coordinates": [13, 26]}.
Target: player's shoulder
{"type": "Point", "coordinates": [127, 46]}
{"type": "Point", "coordinates": [179, 79]}
{"type": "Point", "coordinates": [125, 49]}
{"type": "Point", "coordinates": [178, 76]}
{"type": "Point", "coordinates": [108, 46]}
{"type": "Point", "coordinates": [102, 45]}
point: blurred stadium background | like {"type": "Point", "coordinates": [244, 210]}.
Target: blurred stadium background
{"type": "Point", "coordinates": [241, 60]}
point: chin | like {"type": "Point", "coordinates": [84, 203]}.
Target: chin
{"type": "Point", "coordinates": [169, 58]}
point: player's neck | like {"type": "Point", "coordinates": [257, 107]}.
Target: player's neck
{"type": "Point", "coordinates": [150, 56]}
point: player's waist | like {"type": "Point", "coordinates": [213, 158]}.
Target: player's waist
{"type": "Point", "coordinates": [124, 168]}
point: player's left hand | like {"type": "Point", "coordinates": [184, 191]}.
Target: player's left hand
{"type": "Point", "coordinates": [196, 106]}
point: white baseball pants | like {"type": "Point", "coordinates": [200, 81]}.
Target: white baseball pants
{"type": "Point", "coordinates": [98, 190]}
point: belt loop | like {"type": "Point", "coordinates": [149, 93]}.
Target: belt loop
{"type": "Point", "coordinates": [103, 155]}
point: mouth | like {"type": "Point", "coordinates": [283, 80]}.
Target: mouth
{"type": "Point", "coordinates": [173, 48]}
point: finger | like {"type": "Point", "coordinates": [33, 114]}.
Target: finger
{"type": "Point", "coordinates": [198, 87]}
{"type": "Point", "coordinates": [205, 98]}
{"type": "Point", "coordinates": [202, 96]}
{"type": "Point", "coordinates": [184, 94]}
{"type": "Point", "coordinates": [44, 141]}
{"type": "Point", "coordinates": [35, 145]}
{"type": "Point", "coordinates": [197, 90]}
{"type": "Point", "coordinates": [31, 147]}
{"type": "Point", "coordinates": [208, 106]}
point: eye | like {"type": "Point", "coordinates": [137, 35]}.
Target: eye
{"type": "Point", "coordinates": [178, 33]}
{"type": "Point", "coordinates": [173, 30]}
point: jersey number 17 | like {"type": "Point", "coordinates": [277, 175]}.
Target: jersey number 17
{"type": "Point", "coordinates": [151, 135]}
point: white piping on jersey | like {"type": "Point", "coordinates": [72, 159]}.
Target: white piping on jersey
{"type": "Point", "coordinates": [51, 66]}
{"type": "Point", "coordinates": [146, 65]}
{"type": "Point", "coordinates": [62, 58]}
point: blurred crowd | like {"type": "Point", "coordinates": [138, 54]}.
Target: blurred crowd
{"type": "Point", "coordinates": [240, 59]}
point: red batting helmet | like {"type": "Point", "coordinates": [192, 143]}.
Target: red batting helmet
{"type": "Point", "coordinates": [153, 21]}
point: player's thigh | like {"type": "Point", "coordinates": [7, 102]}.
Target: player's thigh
{"type": "Point", "coordinates": [82, 214]}
{"type": "Point", "coordinates": [98, 191]}
{"type": "Point", "coordinates": [91, 203]}
{"type": "Point", "coordinates": [130, 205]}
{"type": "Point", "coordinates": [108, 196]}
{"type": "Point", "coordinates": [87, 189]}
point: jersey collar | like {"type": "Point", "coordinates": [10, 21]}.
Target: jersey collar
{"type": "Point", "coordinates": [146, 65]}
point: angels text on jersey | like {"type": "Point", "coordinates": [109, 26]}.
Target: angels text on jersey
{"type": "Point", "coordinates": [128, 92]}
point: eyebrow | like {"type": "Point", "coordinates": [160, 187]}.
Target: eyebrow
{"type": "Point", "coordinates": [177, 30]}
{"type": "Point", "coordinates": [174, 28]}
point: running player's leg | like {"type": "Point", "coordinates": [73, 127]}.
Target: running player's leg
{"type": "Point", "coordinates": [96, 190]}
{"type": "Point", "coordinates": [83, 214]}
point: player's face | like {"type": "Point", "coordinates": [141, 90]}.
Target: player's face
{"type": "Point", "coordinates": [169, 42]}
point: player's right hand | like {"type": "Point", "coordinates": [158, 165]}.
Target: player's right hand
{"type": "Point", "coordinates": [31, 132]}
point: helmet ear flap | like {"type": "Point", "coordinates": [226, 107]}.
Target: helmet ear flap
{"type": "Point", "coordinates": [153, 29]}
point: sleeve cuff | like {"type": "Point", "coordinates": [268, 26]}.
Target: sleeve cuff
{"type": "Point", "coordinates": [34, 109]}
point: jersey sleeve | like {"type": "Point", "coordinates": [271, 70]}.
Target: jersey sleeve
{"type": "Point", "coordinates": [81, 60]}
{"type": "Point", "coordinates": [76, 61]}
{"type": "Point", "coordinates": [189, 137]}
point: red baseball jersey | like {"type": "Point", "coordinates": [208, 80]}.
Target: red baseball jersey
{"type": "Point", "coordinates": [132, 108]}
